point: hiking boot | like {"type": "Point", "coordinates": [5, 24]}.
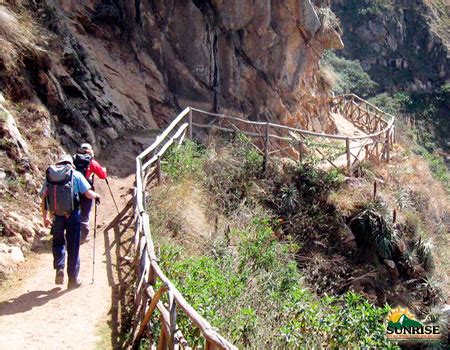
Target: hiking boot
{"type": "Point", "coordinates": [59, 278]}
{"type": "Point", "coordinates": [74, 283]}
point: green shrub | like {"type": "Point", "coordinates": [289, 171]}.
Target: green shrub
{"type": "Point", "coordinates": [387, 103]}
{"type": "Point", "coordinates": [351, 78]}
{"type": "Point", "coordinates": [289, 198]}
{"type": "Point", "coordinates": [184, 160]}
{"type": "Point", "coordinates": [374, 233]}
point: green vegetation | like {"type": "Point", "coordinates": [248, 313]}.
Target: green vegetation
{"type": "Point", "coordinates": [364, 10]}
{"type": "Point", "coordinates": [247, 281]}
{"type": "Point", "coordinates": [180, 161]}
{"type": "Point", "coordinates": [349, 77]}
{"type": "Point", "coordinates": [254, 295]}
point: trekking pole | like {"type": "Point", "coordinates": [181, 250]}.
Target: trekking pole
{"type": "Point", "coordinates": [95, 234]}
{"type": "Point", "coordinates": [117, 208]}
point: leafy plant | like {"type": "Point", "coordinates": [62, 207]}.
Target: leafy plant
{"type": "Point", "coordinates": [373, 232]}
{"type": "Point", "coordinates": [424, 252]}
{"type": "Point", "coordinates": [184, 160]}
{"type": "Point", "coordinates": [289, 198]}
{"type": "Point", "coordinates": [321, 151]}
{"type": "Point", "coordinates": [403, 199]}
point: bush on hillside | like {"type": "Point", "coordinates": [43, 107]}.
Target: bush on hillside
{"type": "Point", "coordinates": [350, 77]}
{"type": "Point", "coordinates": [186, 160]}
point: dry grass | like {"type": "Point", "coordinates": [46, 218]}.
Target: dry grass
{"type": "Point", "coordinates": [182, 213]}
{"type": "Point", "coordinates": [351, 196]}
{"type": "Point", "coordinates": [328, 78]}
{"type": "Point", "coordinates": [20, 37]}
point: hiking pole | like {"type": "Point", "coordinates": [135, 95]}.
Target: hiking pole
{"type": "Point", "coordinates": [117, 208]}
{"type": "Point", "coordinates": [95, 234]}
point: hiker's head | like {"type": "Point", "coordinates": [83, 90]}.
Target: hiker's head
{"type": "Point", "coordinates": [86, 148]}
{"type": "Point", "coordinates": [65, 159]}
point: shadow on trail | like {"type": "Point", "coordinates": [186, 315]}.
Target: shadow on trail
{"type": "Point", "coordinates": [28, 301]}
{"type": "Point", "coordinates": [118, 237]}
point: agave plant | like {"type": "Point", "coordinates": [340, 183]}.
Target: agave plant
{"type": "Point", "coordinates": [374, 232]}
{"type": "Point", "coordinates": [289, 198]}
{"type": "Point", "coordinates": [403, 199]}
{"type": "Point", "coordinates": [424, 251]}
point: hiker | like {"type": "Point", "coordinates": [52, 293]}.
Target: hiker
{"type": "Point", "coordinates": [60, 197]}
{"type": "Point", "coordinates": [86, 164]}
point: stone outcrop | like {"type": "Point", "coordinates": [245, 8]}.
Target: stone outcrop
{"type": "Point", "coordinates": [401, 44]}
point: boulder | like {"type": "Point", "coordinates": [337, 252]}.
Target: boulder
{"type": "Point", "coordinates": [112, 134]}
{"type": "Point", "coordinates": [9, 130]}
{"type": "Point", "coordinates": [16, 255]}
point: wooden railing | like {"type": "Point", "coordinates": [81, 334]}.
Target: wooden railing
{"type": "Point", "coordinates": [375, 142]}
{"type": "Point", "coordinates": [270, 138]}
{"type": "Point", "coordinates": [147, 299]}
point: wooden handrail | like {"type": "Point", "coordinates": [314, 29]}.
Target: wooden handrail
{"type": "Point", "coordinates": [144, 246]}
{"type": "Point", "coordinates": [300, 131]}
{"type": "Point", "coordinates": [165, 133]}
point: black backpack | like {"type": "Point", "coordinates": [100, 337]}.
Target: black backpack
{"type": "Point", "coordinates": [82, 162]}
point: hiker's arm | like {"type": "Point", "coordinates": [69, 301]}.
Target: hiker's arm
{"type": "Point", "coordinates": [91, 194]}
{"type": "Point", "coordinates": [45, 219]}
{"type": "Point", "coordinates": [97, 169]}
{"type": "Point", "coordinates": [43, 194]}
{"type": "Point", "coordinates": [84, 187]}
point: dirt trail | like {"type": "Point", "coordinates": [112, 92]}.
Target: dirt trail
{"type": "Point", "coordinates": [37, 314]}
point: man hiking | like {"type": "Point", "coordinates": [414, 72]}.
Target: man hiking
{"type": "Point", "coordinates": [86, 164]}
{"type": "Point", "coordinates": [60, 197]}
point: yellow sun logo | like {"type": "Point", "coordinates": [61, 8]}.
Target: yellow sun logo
{"type": "Point", "coordinates": [395, 314]}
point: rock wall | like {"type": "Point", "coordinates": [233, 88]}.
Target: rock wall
{"type": "Point", "coordinates": [91, 71]}
{"type": "Point", "coordinates": [401, 44]}
{"type": "Point", "coordinates": [117, 65]}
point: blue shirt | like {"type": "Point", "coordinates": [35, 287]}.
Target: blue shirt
{"type": "Point", "coordinates": [80, 184]}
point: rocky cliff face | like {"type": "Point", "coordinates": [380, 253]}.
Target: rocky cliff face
{"type": "Point", "coordinates": [116, 65]}
{"type": "Point", "coordinates": [401, 44]}
{"type": "Point", "coordinates": [90, 71]}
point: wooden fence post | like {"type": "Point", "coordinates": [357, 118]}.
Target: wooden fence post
{"type": "Point", "coordinates": [374, 190]}
{"type": "Point", "coordinates": [266, 150]}
{"type": "Point", "coordinates": [388, 145]}
{"type": "Point", "coordinates": [190, 124]}
{"type": "Point", "coordinates": [377, 153]}
{"type": "Point", "coordinates": [173, 319]}
{"type": "Point", "coordinates": [158, 170]}
{"type": "Point", "coordinates": [301, 151]}
{"type": "Point", "coordinates": [162, 345]}
{"type": "Point", "coordinates": [151, 275]}
{"type": "Point", "coordinates": [393, 135]}
{"type": "Point", "coordinates": [349, 161]}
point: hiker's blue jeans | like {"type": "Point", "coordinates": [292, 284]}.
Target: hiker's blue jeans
{"type": "Point", "coordinates": [69, 242]}
{"type": "Point", "coordinates": [85, 208]}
